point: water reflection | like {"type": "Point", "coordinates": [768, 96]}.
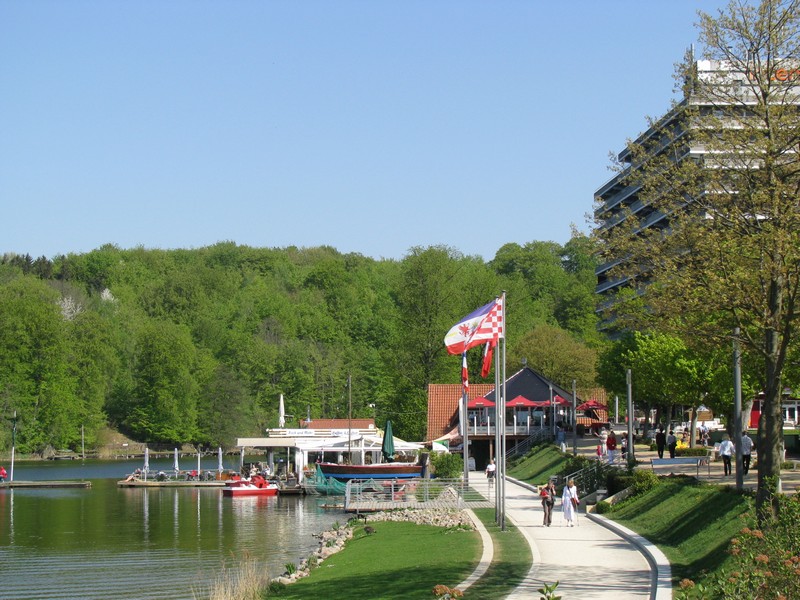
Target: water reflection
{"type": "Point", "coordinates": [109, 542]}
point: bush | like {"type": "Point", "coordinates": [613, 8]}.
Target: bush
{"type": "Point", "coordinates": [644, 480]}
{"type": "Point", "coordinates": [691, 452]}
{"type": "Point", "coordinates": [448, 466]}
{"type": "Point", "coordinates": [616, 482]}
{"type": "Point", "coordinates": [603, 507]}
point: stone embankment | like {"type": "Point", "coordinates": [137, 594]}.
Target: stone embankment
{"type": "Point", "coordinates": [334, 540]}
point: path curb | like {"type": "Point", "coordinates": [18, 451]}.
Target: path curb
{"type": "Point", "coordinates": [661, 569]}
{"type": "Point", "coordinates": [486, 557]}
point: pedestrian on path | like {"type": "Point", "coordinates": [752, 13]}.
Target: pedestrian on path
{"type": "Point", "coordinates": [548, 495]}
{"type": "Point", "coordinates": [672, 443]}
{"type": "Point", "coordinates": [491, 470]}
{"type": "Point", "coordinates": [611, 445]}
{"type": "Point", "coordinates": [747, 451]}
{"type": "Point", "coordinates": [726, 450]}
{"type": "Point", "coordinates": [661, 441]}
{"type": "Point", "coordinates": [569, 502]}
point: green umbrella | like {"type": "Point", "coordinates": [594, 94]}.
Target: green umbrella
{"type": "Point", "coordinates": [387, 448]}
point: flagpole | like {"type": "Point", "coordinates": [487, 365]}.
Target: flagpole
{"type": "Point", "coordinates": [498, 475]}
{"type": "Point", "coordinates": [503, 433]}
{"type": "Point", "coordinates": [465, 424]}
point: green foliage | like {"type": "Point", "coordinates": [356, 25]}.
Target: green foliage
{"type": "Point", "coordinates": [446, 465]}
{"type": "Point", "coordinates": [764, 562]}
{"type": "Point", "coordinates": [548, 592]}
{"type": "Point", "coordinates": [644, 480]}
{"type": "Point", "coordinates": [195, 346]}
{"type": "Point", "coordinates": [603, 507]}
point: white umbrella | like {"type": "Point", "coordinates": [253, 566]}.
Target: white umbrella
{"type": "Point", "coordinates": [281, 413]}
{"type": "Point", "coordinates": [146, 459]}
{"type": "Point", "coordinates": [175, 464]}
{"type": "Point", "coordinates": [198, 462]}
{"type": "Point", "coordinates": [219, 459]}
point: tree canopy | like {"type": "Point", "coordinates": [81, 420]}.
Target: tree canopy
{"type": "Point", "coordinates": [195, 346]}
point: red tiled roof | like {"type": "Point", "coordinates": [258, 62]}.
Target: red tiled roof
{"type": "Point", "coordinates": [337, 423]}
{"type": "Point", "coordinates": [443, 403]}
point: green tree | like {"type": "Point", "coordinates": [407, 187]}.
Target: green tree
{"type": "Point", "coordinates": [557, 355]}
{"type": "Point", "coordinates": [731, 253]}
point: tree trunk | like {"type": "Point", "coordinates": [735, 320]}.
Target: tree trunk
{"type": "Point", "coordinates": [770, 439]}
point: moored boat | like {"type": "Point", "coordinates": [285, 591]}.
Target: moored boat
{"type": "Point", "coordinates": [256, 486]}
{"type": "Point", "coordinates": [395, 470]}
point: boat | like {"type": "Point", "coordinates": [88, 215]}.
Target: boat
{"type": "Point", "coordinates": [393, 470]}
{"type": "Point", "coordinates": [255, 486]}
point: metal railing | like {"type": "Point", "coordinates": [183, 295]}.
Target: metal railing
{"type": "Point", "coordinates": [537, 437]}
{"type": "Point", "coordinates": [593, 477]}
{"type": "Point", "coordinates": [412, 493]}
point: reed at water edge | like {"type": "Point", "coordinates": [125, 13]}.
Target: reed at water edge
{"type": "Point", "coordinates": [246, 581]}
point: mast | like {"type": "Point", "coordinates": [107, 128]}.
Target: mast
{"type": "Point", "coordinates": [349, 419]}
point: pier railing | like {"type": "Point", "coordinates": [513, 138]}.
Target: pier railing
{"type": "Point", "coordinates": [387, 494]}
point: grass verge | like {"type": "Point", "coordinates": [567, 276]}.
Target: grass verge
{"type": "Point", "coordinates": [399, 560]}
{"type": "Point", "coordinates": [538, 465]}
{"type": "Point", "coordinates": [512, 560]}
{"type": "Point", "coordinates": [690, 522]}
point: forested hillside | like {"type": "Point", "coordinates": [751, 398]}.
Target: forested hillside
{"type": "Point", "coordinates": [195, 346]}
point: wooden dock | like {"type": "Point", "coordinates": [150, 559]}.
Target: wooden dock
{"type": "Point", "coordinates": [45, 484]}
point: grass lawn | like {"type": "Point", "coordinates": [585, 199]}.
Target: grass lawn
{"type": "Point", "coordinates": [400, 560]}
{"type": "Point", "coordinates": [537, 467]}
{"type": "Point", "coordinates": [512, 560]}
{"type": "Point", "coordinates": [690, 522]}
{"type": "Point", "coordinates": [403, 560]}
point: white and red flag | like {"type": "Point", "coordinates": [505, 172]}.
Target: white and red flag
{"type": "Point", "coordinates": [486, 364]}
{"type": "Point", "coordinates": [482, 325]}
{"type": "Point", "coordinates": [464, 373]}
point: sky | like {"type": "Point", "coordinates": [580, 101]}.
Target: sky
{"type": "Point", "coordinates": [370, 126]}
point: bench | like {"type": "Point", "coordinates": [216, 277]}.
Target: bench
{"type": "Point", "coordinates": [697, 461]}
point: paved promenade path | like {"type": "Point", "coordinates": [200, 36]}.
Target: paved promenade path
{"type": "Point", "coordinates": [589, 561]}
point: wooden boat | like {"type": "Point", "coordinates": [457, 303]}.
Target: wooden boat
{"type": "Point", "coordinates": [256, 486]}
{"type": "Point", "coordinates": [374, 471]}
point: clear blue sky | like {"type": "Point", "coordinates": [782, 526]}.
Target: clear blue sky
{"type": "Point", "coordinates": [369, 126]}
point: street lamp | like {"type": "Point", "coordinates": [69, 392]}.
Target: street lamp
{"type": "Point", "coordinates": [13, 443]}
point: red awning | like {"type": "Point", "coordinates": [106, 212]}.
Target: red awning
{"type": "Point", "coordinates": [593, 405]}
{"type": "Point", "coordinates": [522, 401]}
{"type": "Point", "coordinates": [559, 400]}
{"type": "Point", "coordinates": [479, 402]}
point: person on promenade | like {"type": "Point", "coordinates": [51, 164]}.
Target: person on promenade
{"type": "Point", "coordinates": [661, 441]}
{"type": "Point", "coordinates": [672, 443]}
{"type": "Point", "coordinates": [624, 447]}
{"type": "Point", "coordinates": [491, 469]}
{"type": "Point", "coordinates": [603, 439]}
{"type": "Point", "coordinates": [569, 502]}
{"type": "Point", "coordinates": [611, 445]}
{"type": "Point", "coordinates": [548, 495]}
{"type": "Point", "coordinates": [3, 474]}
{"type": "Point", "coordinates": [747, 450]}
{"type": "Point", "coordinates": [726, 450]}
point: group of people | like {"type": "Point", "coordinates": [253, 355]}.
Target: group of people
{"type": "Point", "coordinates": [569, 502]}
{"type": "Point", "coordinates": [727, 449]}
{"type": "Point", "coordinates": [607, 448]}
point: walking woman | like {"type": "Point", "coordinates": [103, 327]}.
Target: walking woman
{"type": "Point", "coordinates": [569, 502]}
{"type": "Point", "coordinates": [548, 495]}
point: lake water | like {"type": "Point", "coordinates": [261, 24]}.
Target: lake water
{"type": "Point", "coordinates": [110, 542]}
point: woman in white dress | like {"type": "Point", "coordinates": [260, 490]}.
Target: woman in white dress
{"type": "Point", "coordinates": [569, 502]}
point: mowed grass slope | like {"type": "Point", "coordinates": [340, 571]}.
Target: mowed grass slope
{"type": "Point", "coordinates": [537, 467]}
{"type": "Point", "coordinates": [690, 522]}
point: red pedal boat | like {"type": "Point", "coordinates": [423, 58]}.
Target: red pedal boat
{"type": "Point", "coordinates": [256, 486]}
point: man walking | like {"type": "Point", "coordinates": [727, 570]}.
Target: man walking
{"type": "Point", "coordinates": [661, 441]}
{"type": "Point", "coordinates": [747, 450]}
{"type": "Point", "coordinates": [726, 450]}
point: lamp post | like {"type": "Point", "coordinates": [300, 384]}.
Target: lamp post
{"type": "Point", "coordinates": [13, 443]}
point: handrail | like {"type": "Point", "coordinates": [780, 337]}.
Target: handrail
{"type": "Point", "coordinates": [591, 478]}
{"type": "Point", "coordinates": [530, 441]}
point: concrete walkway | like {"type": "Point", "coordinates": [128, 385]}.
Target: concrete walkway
{"type": "Point", "coordinates": [589, 561]}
